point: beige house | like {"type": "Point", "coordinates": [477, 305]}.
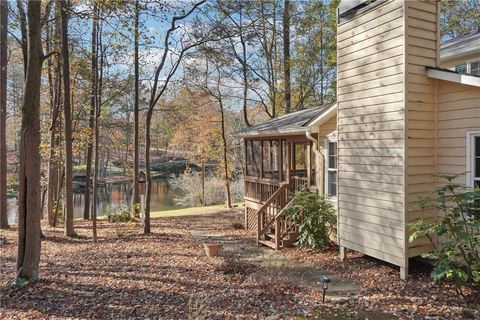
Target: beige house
{"type": "Point", "coordinates": [406, 111]}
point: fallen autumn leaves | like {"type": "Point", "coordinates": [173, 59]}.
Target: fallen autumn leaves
{"type": "Point", "coordinates": [166, 275]}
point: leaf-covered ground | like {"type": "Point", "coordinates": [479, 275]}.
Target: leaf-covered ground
{"type": "Point", "coordinates": [166, 275]}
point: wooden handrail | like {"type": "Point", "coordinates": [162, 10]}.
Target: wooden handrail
{"type": "Point", "coordinates": [283, 225]}
{"type": "Point", "coordinates": [277, 216]}
{"type": "Point", "coordinates": [272, 197]}
{"type": "Point", "coordinates": [299, 178]}
{"type": "Point", "coordinates": [272, 182]}
{"type": "Point", "coordinates": [260, 228]}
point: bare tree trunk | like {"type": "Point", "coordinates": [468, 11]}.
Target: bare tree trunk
{"type": "Point", "coordinates": [95, 173]}
{"type": "Point", "coordinates": [3, 114]}
{"type": "Point", "coordinates": [22, 17]}
{"type": "Point", "coordinates": [91, 124]}
{"type": "Point", "coordinates": [286, 56]}
{"type": "Point", "coordinates": [148, 172]}
{"type": "Point", "coordinates": [58, 196]}
{"type": "Point", "coordinates": [244, 72]}
{"type": "Point", "coordinates": [29, 205]}
{"type": "Point", "coordinates": [55, 103]}
{"type": "Point", "coordinates": [98, 107]}
{"type": "Point", "coordinates": [136, 147]}
{"type": "Point", "coordinates": [203, 183]}
{"type": "Point", "coordinates": [67, 111]}
{"type": "Point", "coordinates": [225, 156]}
{"type": "Point", "coordinates": [156, 94]}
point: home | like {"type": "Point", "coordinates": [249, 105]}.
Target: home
{"type": "Point", "coordinates": [407, 109]}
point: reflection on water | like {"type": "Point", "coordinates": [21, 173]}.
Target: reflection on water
{"type": "Point", "coordinates": [112, 196]}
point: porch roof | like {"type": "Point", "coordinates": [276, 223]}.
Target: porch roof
{"type": "Point", "coordinates": [294, 123]}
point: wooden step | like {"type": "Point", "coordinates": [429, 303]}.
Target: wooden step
{"type": "Point", "coordinates": [270, 235]}
{"type": "Point", "coordinates": [289, 239]}
{"type": "Point", "coordinates": [268, 243]}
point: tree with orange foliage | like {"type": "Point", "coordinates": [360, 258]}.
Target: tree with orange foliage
{"type": "Point", "coordinates": [199, 133]}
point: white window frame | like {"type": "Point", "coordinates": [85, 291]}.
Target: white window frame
{"type": "Point", "coordinates": [327, 169]}
{"type": "Point", "coordinates": [470, 157]}
{"type": "Point", "coordinates": [468, 64]}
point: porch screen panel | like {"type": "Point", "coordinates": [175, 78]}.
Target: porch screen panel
{"type": "Point", "coordinates": [253, 158]}
{"type": "Point", "coordinates": [300, 159]}
{"type": "Point", "coordinates": [271, 149]}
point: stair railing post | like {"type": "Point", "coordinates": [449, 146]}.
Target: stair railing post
{"type": "Point", "coordinates": [259, 226]}
{"type": "Point", "coordinates": [277, 233]}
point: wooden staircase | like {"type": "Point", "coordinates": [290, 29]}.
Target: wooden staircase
{"type": "Point", "coordinates": [274, 229]}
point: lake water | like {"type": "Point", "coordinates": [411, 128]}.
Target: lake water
{"type": "Point", "coordinates": [112, 196]}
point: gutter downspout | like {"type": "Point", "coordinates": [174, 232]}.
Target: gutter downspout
{"type": "Point", "coordinates": [319, 165]}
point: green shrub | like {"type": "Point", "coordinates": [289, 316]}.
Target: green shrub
{"type": "Point", "coordinates": [314, 216]}
{"type": "Point", "coordinates": [124, 221]}
{"type": "Point", "coordinates": [457, 258]}
{"type": "Point", "coordinates": [121, 214]}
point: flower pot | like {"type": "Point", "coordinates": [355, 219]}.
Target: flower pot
{"type": "Point", "coordinates": [212, 249]}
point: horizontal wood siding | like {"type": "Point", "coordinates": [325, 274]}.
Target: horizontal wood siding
{"type": "Point", "coordinates": [371, 132]}
{"type": "Point", "coordinates": [458, 113]}
{"type": "Point", "coordinates": [421, 111]}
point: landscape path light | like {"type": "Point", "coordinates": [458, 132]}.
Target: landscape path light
{"type": "Point", "coordinates": [325, 281]}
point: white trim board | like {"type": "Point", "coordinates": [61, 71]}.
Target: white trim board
{"type": "Point", "coordinates": [325, 116]}
{"type": "Point", "coordinates": [470, 155]}
{"type": "Point", "coordinates": [454, 77]}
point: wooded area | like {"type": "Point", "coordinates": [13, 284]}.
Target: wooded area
{"type": "Point", "coordinates": [94, 92]}
{"type": "Point", "coordinates": [192, 67]}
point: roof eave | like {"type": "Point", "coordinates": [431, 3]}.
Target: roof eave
{"type": "Point", "coordinates": [459, 54]}
{"type": "Point", "coordinates": [325, 116]}
{"type": "Point", "coordinates": [453, 77]}
{"type": "Point", "coordinates": [270, 133]}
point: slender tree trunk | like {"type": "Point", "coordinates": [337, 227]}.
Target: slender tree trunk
{"type": "Point", "coordinates": [95, 172]}
{"type": "Point", "coordinates": [136, 147]}
{"type": "Point", "coordinates": [155, 96]}
{"type": "Point", "coordinates": [3, 114]}
{"type": "Point", "coordinates": [54, 76]}
{"type": "Point", "coordinates": [29, 205]}
{"type": "Point", "coordinates": [148, 171]}
{"type": "Point", "coordinates": [91, 124]}
{"type": "Point", "coordinates": [244, 68]}
{"type": "Point", "coordinates": [98, 108]}
{"type": "Point", "coordinates": [58, 204]}
{"type": "Point", "coordinates": [286, 55]}
{"type": "Point", "coordinates": [225, 157]}
{"type": "Point", "coordinates": [203, 183]}
{"type": "Point", "coordinates": [67, 111]}
{"type": "Point", "coordinates": [322, 75]}
{"type": "Point", "coordinates": [22, 17]}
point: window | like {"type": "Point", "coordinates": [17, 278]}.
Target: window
{"type": "Point", "coordinates": [461, 68]}
{"type": "Point", "coordinates": [471, 67]}
{"type": "Point", "coordinates": [331, 169]}
{"type": "Point", "coordinates": [473, 159]}
{"type": "Point", "coordinates": [475, 68]}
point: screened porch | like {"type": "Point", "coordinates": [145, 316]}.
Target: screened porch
{"type": "Point", "coordinates": [272, 162]}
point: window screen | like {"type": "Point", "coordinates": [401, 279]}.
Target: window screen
{"type": "Point", "coordinates": [475, 68]}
